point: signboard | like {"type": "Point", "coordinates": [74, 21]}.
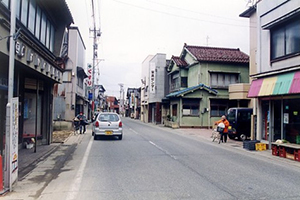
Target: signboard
{"type": "Point", "coordinates": [152, 77]}
{"type": "Point", "coordinates": [89, 82]}
{"type": "Point", "coordinates": [286, 118]}
{"type": "Point", "coordinates": [14, 132]}
{"type": "Point", "coordinates": [90, 96]}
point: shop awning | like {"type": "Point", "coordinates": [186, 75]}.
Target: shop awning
{"type": "Point", "coordinates": [288, 83]}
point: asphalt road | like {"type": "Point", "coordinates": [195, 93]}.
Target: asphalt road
{"type": "Point", "coordinates": [156, 163]}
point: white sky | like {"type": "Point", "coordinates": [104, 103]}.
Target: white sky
{"type": "Point", "coordinates": [133, 29]}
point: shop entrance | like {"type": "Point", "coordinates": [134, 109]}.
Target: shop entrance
{"type": "Point", "coordinates": [272, 120]}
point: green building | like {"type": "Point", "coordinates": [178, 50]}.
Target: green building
{"type": "Point", "coordinates": [199, 82]}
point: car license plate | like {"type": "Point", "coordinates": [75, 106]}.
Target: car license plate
{"type": "Point", "coordinates": [108, 132]}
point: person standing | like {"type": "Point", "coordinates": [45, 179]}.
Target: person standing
{"type": "Point", "coordinates": [223, 133]}
{"type": "Point", "coordinates": [82, 120]}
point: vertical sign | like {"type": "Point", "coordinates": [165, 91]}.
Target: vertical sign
{"type": "Point", "coordinates": [89, 81]}
{"type": "Point", "coordinates": [152, 77]}
{"type": "Point", "coordinates": [14, 130]}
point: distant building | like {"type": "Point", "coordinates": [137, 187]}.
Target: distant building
{"type": "Point", "coordinates": [153, 88]}
{"type": "Point", "coordinates": [133, 99]}
{"type": "Point", "coordinates": [100, 101]}
{"type": "Point", "coordinates": [112, 104]}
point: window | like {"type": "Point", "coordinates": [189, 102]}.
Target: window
{"type": "Point", "coordinates": [38, 22]}
{"type": "Point", "coordinates": [43, 29]}
{"type": "Point", "coordinates": [218, 107]}
{"type": "Point", "coordinates": [52, 38]}
{"type": "Point", "coordinates": [175, 84]}
{"type": "Point", "coordinates": [80, 82]}
{"type": "Point", "coordinates": [183, 81]}
{"type": "Point", "coordinates": [24, 12]}
{"type": "Point", "coordinates": [48, 27]}
{"type": "Point", "coordinates": [31, 18]}
{"type": "Point", "coordinates": [67, 76]}
{"type": "Point", "coordinates": [285, 39]}
{"type": "Point", "coordinates": [190, 107]}
{"type": "Point", "coordinates": [18, 9]}
{"type": "Point", "coordinates": [5, 2]}
{"type": "Point", "coordinates": [223, 80]}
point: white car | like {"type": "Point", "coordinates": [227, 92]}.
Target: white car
{"type": "Point", "coordinates": [107, 124]}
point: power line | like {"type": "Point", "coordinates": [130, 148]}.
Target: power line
{"type": "Point", "coordinates": [192, 11]}
{"type": "Point", "coordinates": [180, 16]}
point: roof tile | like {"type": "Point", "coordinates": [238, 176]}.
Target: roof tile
{"type": "Point", "coordinates": [216, 54]}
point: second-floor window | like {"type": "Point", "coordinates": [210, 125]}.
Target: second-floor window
{"type": "Point", "coordinates": [80, 82]}
{"type": "Point", "coordinates": [36, 20]}
{"type": "Point", "coordinates": [285, 39]}
{"type": "Point", "coordinates": [223, 80]}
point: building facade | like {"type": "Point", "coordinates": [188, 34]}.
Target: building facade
{"type": "Point", "coordinates": [133, 103]}
{"type": "Point", "coordinates": [71, 97]}
{"type": "Point", "coordinates": [199, 79]}
{"type": "Point", "coordinates": [153, 88]}
{"type": "Point", "coordinates": [38, 66]}
{"type": "Point", "coordinates": [276, 85]}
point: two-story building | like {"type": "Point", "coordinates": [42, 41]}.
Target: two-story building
{"type": "Point", "coordinates": [38, 66]}
{"type": "Point", "coordinates": [71, 95]}
{"type": "Point", "coordinates": [153, 88]}
{"type": "Point", "coordinates": [199, 80]}
{"type": "Point", "coordinates": [276, 85]}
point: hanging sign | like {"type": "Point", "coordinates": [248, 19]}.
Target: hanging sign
{"type": "Point", "coordinates": [89, 81]}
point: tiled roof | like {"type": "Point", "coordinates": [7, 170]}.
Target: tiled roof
{"type": "Point", "coordinates": [215, 54]}
{"type": "Point", "coordinates": [179, 62]}
{"type": "Point", "coordinates": [191, 89]}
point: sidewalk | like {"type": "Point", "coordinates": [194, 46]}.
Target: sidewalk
{"type": "Point", "coordinates": [235, 145]}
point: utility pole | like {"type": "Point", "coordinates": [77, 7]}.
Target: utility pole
{"type": "Point", "coordinates": [8, 177]}
{"type": "Point", "coordinates": [96, 34]}
{"type": "Point", "coordinates": [121, 100]}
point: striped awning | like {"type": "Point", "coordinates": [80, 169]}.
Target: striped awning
{"type": "Point", "coordinates": [288, 83]}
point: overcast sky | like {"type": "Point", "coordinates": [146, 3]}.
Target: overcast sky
{"type": "Point", "coordinates": [133, 29]}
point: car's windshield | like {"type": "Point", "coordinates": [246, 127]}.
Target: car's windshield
{"type": "Point", "coordinates": [109, 117]}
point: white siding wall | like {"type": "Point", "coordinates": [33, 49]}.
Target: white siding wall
{"type": "Point", "coordinates": [269, 12]}
{"type": "Point", "coordinates": [159, 61]}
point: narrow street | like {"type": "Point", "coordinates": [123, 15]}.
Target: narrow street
{"type": "Point", "coordinates": [152, 162]}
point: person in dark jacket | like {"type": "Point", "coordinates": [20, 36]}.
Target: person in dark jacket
{"type": "Point", "coordinates": [81, 117]}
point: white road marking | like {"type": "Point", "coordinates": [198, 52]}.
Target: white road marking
{"type": "Point", "coordinates": [133, 131]}
{"type": "Point", "coordinates": [163, 150]}
{"type": "Point", "coordinates": [74, 189]}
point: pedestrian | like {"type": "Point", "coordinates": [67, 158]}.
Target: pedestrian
{"type": "Point", "coordinates": [225, 123]}
{"type": "Point", "coordinates": [82, 120]}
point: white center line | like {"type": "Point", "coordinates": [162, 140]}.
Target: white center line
{"type": "Point", "coordinates": [163, 150]}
